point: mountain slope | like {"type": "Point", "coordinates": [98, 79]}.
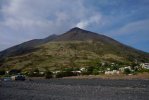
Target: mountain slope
{"type": "Point", "coordinates": [25, 47]}
{"type": "Point", "coordinates": [76, 47]}
{"type": "Point", "coordinates": [77, 34]}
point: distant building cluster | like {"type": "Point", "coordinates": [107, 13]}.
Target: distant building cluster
{"type": "Point", "coordinates": [145, 65]}
{"type": "Point", "coordinates": [106, 69]}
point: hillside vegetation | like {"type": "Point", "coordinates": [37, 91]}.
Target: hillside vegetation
{"type": "Point", "coordinates": [75, 48]}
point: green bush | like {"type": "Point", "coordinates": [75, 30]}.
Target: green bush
{"type": "Point", "coordinates": [127, 71]}
{"type": "Point", "coordinates": [14, 71]}
{"type": "Point", "coordinates": [143, 70]}
{"type": "Point", "coordinates": [48, 74]}
{"type": "Point", "coordinates": [59, 75]}
{"type": "Point", "coordinates": [34, 73]}
{"type": "Point", "coordinates": [2, 72]}
{"type": "Point", "coordinates": [85, 73]}
{"type": "Point", "coordinates": [95, 72]}
{"type": "Point", "coordinates": [65, 74]}
{"type": "Point", "coordinates": [90, 70]}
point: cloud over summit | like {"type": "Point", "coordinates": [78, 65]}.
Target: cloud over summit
{"type": "Point", "coordinates": [22, 20]}
{"type": "Point", "coordinates": [28, 19]}
{"type": "Point", "coordinates": [95, 19]}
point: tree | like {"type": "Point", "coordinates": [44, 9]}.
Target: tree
{"type": "Point", "coordinates": [2, 72]}
{"type": "Point", "coordinates": [90, 69]}
{"type": "Point", "coordinates": [68, 69]}
{"type": "Point", "coordinates": [14, 71]}
{"type": "Point", "coordinates": [59, 75]}
{"type": "Point", "coordinates": [127, 71]}
{"type": "Point", "coordinates": [133, 65]}
{"type": "Point", "coordinates": [95, 72]}
{"type": "Point", "coordinates": [48, 74]}
{"type": "Point", "coordinates": [34, 73]}
{"type": "Point", "coordinates": [114, 67]}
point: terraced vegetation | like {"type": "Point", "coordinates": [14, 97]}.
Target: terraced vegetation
{"type": "Point", "coordinates": [55, 55]}
{"type": "Point", "coordinates": [76, 47]}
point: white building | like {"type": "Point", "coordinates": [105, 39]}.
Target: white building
{"type": "Point", "coordinates": [83, 69]}
{"type": "Point", "coordinates": [112, 72]}
{"type": "Point", "coordinates": [55, 72]}
{"type": "Point", "coordinates": [79, 72]}
{"type": "Point", "coordinates": [123, 68]}
{"type": "Point", "coordinates": [145, 65]}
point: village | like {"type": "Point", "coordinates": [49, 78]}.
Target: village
{"type": "Point", "coordinates": [103, 69]}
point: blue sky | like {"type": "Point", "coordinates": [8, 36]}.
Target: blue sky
{"type": "Point", "coordinates": [124, 20]}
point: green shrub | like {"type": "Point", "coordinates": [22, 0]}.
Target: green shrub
{"type": "Point", "coordinates": [85, 73]}
{"type": "Point", "coordinates": [2, 72]}
{"type": "Point", "coordinates": [14, 71]}
{"type": "Point", "coordinates": [59, 75]}
{"type": "Point", "coordinates": [65, 74]}
{"type": "Point", "coordinates": [95, 72]}
{"type": "Point", "coordinates": [127, 71]}
{"type": "Point", "coordinates": [48, 74]}
{"type": "Point", "coordinates": [90, 70]}
{"type": "Point", "coordinates": [34, 73]}
{"type": "Point", "coordinates": [143, 70]}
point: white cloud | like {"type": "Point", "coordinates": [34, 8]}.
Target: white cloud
{"type": "Point", "coordinates": [137, 27]}
{"type": "Point", "coordinates": [92, 20]}
{"type": "Point", "coordinates": [29, 19]}
{"type": "Point", "coordinates": [134, 34]}
{"type": "Point", "coordinates": [22, 20]}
